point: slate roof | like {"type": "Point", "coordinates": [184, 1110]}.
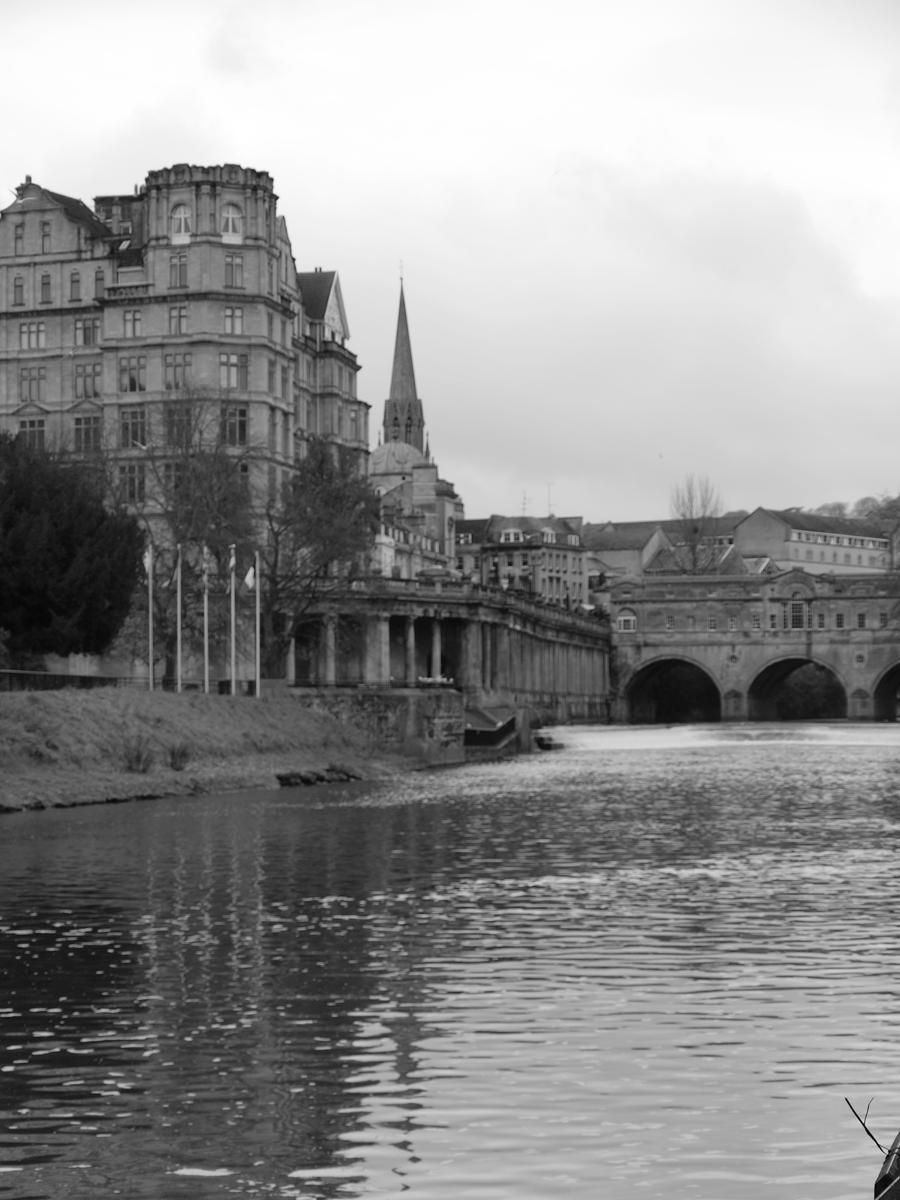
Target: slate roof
{"type": "Point", "coordinates": [75, 210]}
{"type": "Point", "coordinates": [316, 288]}
{"type": "Point", "coordinates": [631, 535]}
{"type": "Point", "coordinates": [798, 518]}
{"type": "Point", "coordinates": [488, 529]}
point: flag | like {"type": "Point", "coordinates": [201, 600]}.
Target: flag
{"type": "Point", "coordinates": [250, 579]}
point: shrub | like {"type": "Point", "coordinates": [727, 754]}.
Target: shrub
{"type": "Point", "coordinates": [137, 754]}
{"type": "Point", "coordinates": [179, 755]}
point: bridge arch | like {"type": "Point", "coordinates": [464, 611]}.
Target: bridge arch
{"type": "Point", "coordinates": [796, 688]}
{"type": "Point", "coordinates": [886, 695]}
{"type": "Point", "coordinates": [671, 691]}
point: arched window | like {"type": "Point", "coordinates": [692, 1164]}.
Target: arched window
{"type": "Point", "coordinates": [627, 621]}
{"type": "Point", "coordinates": [232, 223]}
{"type": "Point", "coordinates": [181, 223]}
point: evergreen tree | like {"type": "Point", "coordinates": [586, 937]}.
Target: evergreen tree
{"type": "Point", "coordinates": [68, 565]}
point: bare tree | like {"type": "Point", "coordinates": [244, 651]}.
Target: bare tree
{"type": "Point", "coordinates": [695, 508]}
{"type": "Point", "coordinates": [319, 535]}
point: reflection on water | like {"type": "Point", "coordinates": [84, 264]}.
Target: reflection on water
{"type": "Point", "coordinates": [651, 964]}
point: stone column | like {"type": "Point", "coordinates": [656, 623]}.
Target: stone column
{"type": "Point", "coordinates": [410, 651]}
{"type": "Point", "coordinates": [290, 667]}
{"type": "Point", "coordinates": [435, 647]}
{"type": "Point", "coordinates": [329, 628]}
{"type": "Point", "coordinates": [502, 657]}
{"type": "Point", "coordinates": [377, 667]}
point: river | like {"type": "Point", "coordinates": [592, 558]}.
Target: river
{"type": "Point", "coordinates": [651, 964]}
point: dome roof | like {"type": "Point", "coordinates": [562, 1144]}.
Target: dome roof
{"type": "Point", "coordinates": [395, 458]}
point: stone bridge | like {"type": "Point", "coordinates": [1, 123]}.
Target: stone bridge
{"type": "Point", "coordinates": [711, 648]}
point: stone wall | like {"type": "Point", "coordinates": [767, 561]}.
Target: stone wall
{"type": "Point", "coordinates": [427, 724]}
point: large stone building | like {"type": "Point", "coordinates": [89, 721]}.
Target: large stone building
{"type": "Point", "coordinates": [117, 323]}
{"type": "Point", "coordinates": [541, 556]}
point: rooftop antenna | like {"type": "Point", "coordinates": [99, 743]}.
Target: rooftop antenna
{"type": "Point", "coordinates": [524, 504]}
{"type": "Point", "coordinates": [550, 487]}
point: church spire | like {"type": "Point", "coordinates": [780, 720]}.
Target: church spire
{"type": "Point", "coordinates": [403, 417]}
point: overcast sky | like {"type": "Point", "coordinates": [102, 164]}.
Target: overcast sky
{"type": "Point", "coordinates": [639, 238]}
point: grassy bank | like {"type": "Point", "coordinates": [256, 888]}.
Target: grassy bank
{"type": "Point", "coordinates": [81, 747]}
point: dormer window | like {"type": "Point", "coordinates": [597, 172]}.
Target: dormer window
{"type": "Point", "coordinates": [232, 223]}
{"type": "Point", "coordinates": [181, 223]}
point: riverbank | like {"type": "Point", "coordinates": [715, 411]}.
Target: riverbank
{"type": "Point", "coordinates": [104, 745]}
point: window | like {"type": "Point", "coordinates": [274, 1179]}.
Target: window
{"type": "Point", "coordinates": [31, 431]}
{"type": "Point", "coordinates": [18, 290]}
{"type": "Point", "coordinates": [712, 623]}
{"type": "Point", "coordinates": [860, 620]}
{"type": "Point", "coordinates": [133, 374]}
{"type": "Point", "coordinates": [32, 335]}
{"type": "Point", "coordinates": [88, 432]}
{"type": "Point", "coordinates": [45, 289]}
{"type": "Point", "coordinates": [133, 427]}
{"type": "Point", "coordinates": [178, 424]}
{"type": "Point", "coordinates": [773, 620]}
{"type": "Point", "coordinates": [87, 331]}
{"type": "Point", "coordinates": [234, 425]}
{"type": "Point", "coordinates": [178, 319]}
{"type": "Point", "coordinates": [75, 286]}
{"type": "Point", "coordinates": [178, 271]}
{"type": "Point", "coordinates": [234, 320]}
{"type": "Point", "coordinates": [756, 621]}
{"type": "Point", "coordinates": [284, 383]}
{"type": "Point", "coordinates": [177, 371]}
{"type": "Point", "coordinates": [882, 620]}
{"type": "Point", "coordinates": [19, 239]}
{"type": "Point", "coordinates": [45, 237]}
{"type": "Point", "coordinates": [133, 482]}
{"type": "Point", "coordinates": [99, 284]}
{"type": "Point", "coordinates": [234, 271]}
{"type": "Point", "coordinates": [627, 621]}
{"type": "Point", "coordinates": [732, 624]}
{"type": "Point", "coordinates": [798, 612]}
{"type": "Point", "coordinates": [271, 378]}
{"type": "Point", "coordinates": [670, 623]}
{"type": "Point", "coordinates": [132, 318]}
{"type": "Point", "coordinates": [270, 326]}
{"type": "Point", "coordinates": [232, 223]}
{"type": "Point", "coordinates": [174, 476]}
{"type": "Point", "coordinates": [271, 277]}
{"type": "Point", "coordinates": [32, 384]}
{"type": "Point", "coordinates": [233, 371]}
{"type": "Point", "coordinates": [88, 378]}
{"type": "Point", "coordinates": [181, 223]}
{"type": "Point", "coordinates": [820, 620]}
{"type": "Point", "coordinates": [839, 620]}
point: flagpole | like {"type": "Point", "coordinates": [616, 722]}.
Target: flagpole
{"type": "Point", "coordinates": [231, 566]}
{"type": "Point", "coordinates": [258, 642]}
{"type": "Point", "coordinates": [205, 620]}
{"type": "Point", "coordinates": [150, 616]}
{"type": "Point", "coordinates": [178, 620]}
